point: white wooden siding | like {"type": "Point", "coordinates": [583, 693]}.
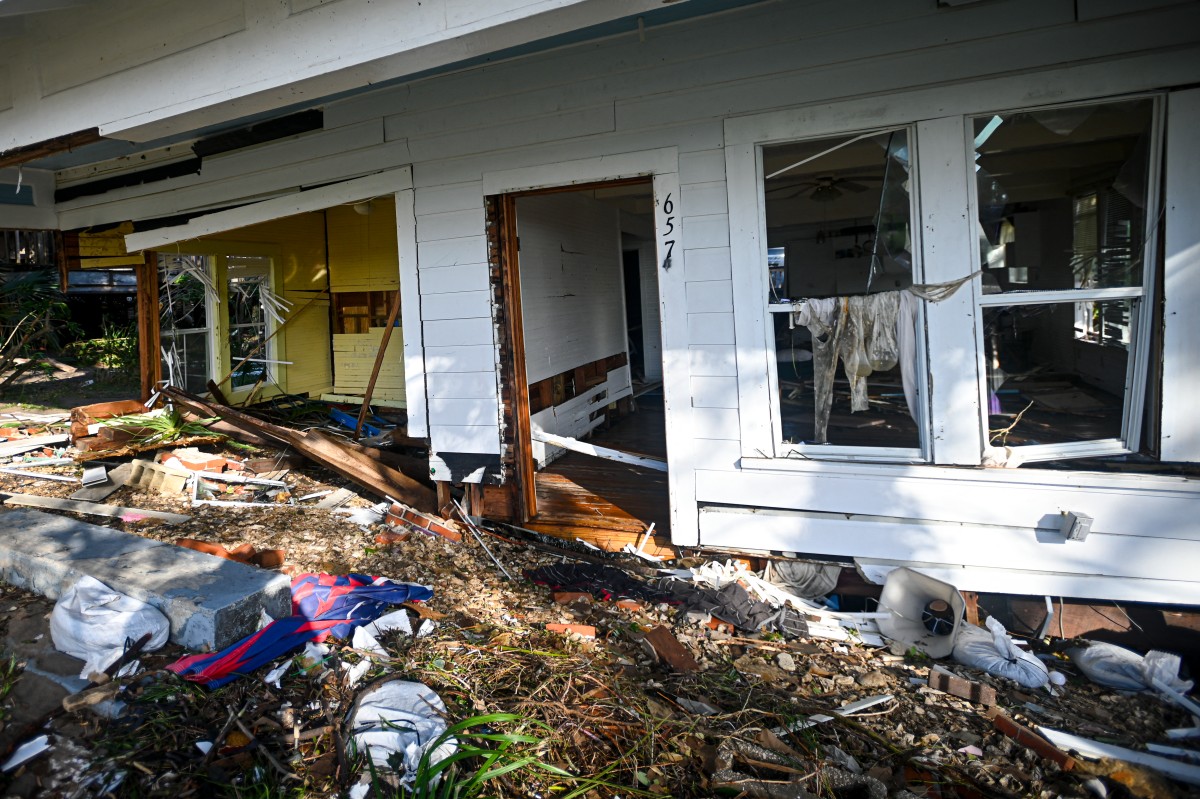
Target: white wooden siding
{"type": "Point", "coordinates": [604, 101]}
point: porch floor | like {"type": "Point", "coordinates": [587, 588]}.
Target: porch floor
{"type": "Point", "coordinates": [606, 503]}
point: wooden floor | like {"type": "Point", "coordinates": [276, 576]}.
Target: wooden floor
{"type": "Point", "coordinates": [606, 503]}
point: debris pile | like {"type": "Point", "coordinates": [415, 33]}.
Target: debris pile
{"type": "Point", "coordinates": [427, 651]}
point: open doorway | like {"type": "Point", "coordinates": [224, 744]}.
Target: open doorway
{"type": "Point", "coordinates": [583, 386]}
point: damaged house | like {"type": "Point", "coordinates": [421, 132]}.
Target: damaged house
{"type": "Point", "coordinates": [892, 282]}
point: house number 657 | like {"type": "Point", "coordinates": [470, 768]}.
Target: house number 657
{"type": "Point", "coordinates": [668, 233]}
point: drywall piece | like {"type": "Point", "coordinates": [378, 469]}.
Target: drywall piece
{"type": "Point", "coordinates": [209, 602]}
{"type": "Point", "coordinates": [1184, 772]}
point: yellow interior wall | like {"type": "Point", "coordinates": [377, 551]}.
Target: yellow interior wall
{"type": "Point", "coordinates": [362, 247]}
{"type": "Point", "coordinates": [363, 256]}
{"type": "Point", "coordinates": [300, 243]}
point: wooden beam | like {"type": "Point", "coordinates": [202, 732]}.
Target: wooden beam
{"type": "Point", "coordinates": [149, 361]}
{"type": "Point", "coordinates": [575, 445]}
{"type": "Point", "coordinates": [348, 459]}
{"type": "Point", "coordinates": [59, 144]}
{"type": "Point", "coordinates": [518, 375]}
{"type": "Point", "coordinates": [383, 345]}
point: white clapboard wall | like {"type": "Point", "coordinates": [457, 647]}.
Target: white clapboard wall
{"type": "Point", "coordinates": [673, 87]}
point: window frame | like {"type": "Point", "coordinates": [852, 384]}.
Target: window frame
{"type": "Point", "coordinates": [955, 429]}
{"type": "Point", "coordinates": [1143, 297]}
{"type": "Point", "coordinates": [843, 452]}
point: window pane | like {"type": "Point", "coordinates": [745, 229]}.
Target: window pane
{"type": "Point", "coordinates": [838, 220]}
{"type": "Point", "coordinates": [247, 321]}
{"type": "Point", "coordinates": [1062, 196]}
{"type": "Point", "coordinates": [1056, 373]}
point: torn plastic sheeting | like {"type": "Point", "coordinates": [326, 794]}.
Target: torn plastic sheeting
{"type": "Point", "coordinates": [26, 752]}
{"type": "Point", "coordinates": [400, 718]}
{"type": "Point", "coordinates": [93, 622]}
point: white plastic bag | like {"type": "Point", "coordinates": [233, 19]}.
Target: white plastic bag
{"type": "Point", "coordinates": [400, 718]}
{"type": "Point", "coordinates": [1117, 667]}
{"type": "Point", "coordinates": [994, 652]}
{"type": "Point", "coordinates": [92, 622]}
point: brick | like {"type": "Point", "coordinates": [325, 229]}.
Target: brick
{"type": "Point", "coordinates": [963, 689]}
{"type": "Point", "coordinates": [629, 604]}
{"type": "Point", "coordinates": [567, 597]}
{"type": "Point", "coordinates": [669, 650]}
{"type": "Point", "coordinates": [585, 631]}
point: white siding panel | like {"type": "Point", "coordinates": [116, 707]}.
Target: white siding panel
{"type": "Point", "coordinates": [481, 439]}
{"type": "Point", "coordinates": [711, 230]}
{"type": "Point", "coordinates": [470, 412]}
{"type": "Point", "coordinates": [452, 197]}
{"type": "Point", "coordinates": [452, 252]}
{"type": "Point", "coordinates": [567, 125]}
{"type": "Point", "coordinates": [711, 263]}
{"type": "Point", "coordinates": [454, 332]}
{"type": "Point", "coordinates": [467, 358]}
{"type": "Point", "coordinates": [450, 225]}
{"type": "Point", "coordinates": [457, 305]}
{"type": "Point", "coordinates": [454, 279]}
{"type": "Point", "coordinates": [716, 455]}
{"type": "Point", "coordinates": [717, 360]}
{"type": "Point", "coordinates": [721, 423]}
{"type": "Point", "coordinates": [710, 328]}
{"type": "Point", "coordinates": [714, 392]}
{"type": "Point", "coordinates": [705, 166]}
{"type": "Point", "coordinates": [463, 385]}
{"type": "Point", "coordinates": [700, 199]}
{"type": "Point", "coordinates": [710, 296]}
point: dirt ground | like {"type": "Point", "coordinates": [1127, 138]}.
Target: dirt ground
{"type": "Point", "coordinates": [609, 714]}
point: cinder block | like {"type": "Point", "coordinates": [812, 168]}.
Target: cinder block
{"type": "Point", "coordinates": [209, 602]}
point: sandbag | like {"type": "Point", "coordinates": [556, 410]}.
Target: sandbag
{"type": "Point", "coordinates": [1117, 667]}
{"type": "Point", "coordinates": [396, 723]}
{"type": "Point", "coordinates": [92, 622]}
{"type": "Point", "coordinates": [994, 652]}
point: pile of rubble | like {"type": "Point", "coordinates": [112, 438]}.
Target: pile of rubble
{"type": "Point", "coordinates": [546, 670]}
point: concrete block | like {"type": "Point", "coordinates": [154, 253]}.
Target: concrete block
{"type": "Point", "coordinates": [210, 602]}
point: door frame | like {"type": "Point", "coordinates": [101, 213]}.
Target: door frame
{"type": "Point", "coordinates": [661, 168]}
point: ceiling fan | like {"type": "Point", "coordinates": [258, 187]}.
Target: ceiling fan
{"type": "Point", "coordinates": [825, 188]}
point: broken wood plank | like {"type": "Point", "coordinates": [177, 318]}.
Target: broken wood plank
{"type": "Point", "coordinates": [116, 479]}
{"type": "Point", "coordinates": [91, 509]}
{"type": "Point", "coordinates": [345, 458]}
{"type": "Point", "coordinates": [336, 499]}
{"type": "Point", "coordinates": [36, 476]}
{"type": "Point", "coordinates": [20, 445]}
{"type": "Point", "coordinates": [575, 445]}
{"type": "Point", "coordinates": [962, 688]}
{"type": "Point", "coordinates": [85, 415]}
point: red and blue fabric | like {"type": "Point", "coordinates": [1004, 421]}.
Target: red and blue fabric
{"type": "Point", "coordinates": [322, 605]}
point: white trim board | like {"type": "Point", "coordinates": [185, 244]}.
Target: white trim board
{"type": "Point", "coordinates": [298, 202]}
{"type": "Point", "coordinates": [1033, 583]}
{"type": "Point", "coordinates": [411, 316]}
{"type": "Point", "coordinates": [980, 546]}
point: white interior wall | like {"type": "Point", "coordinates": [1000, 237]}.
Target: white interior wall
{"type": "Point", "coordinates": [572, 291]}
{"type": "Point", "coordinates": [651, 319]}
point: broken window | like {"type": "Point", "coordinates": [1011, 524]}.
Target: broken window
{"type": "Point", "coordinates": [186, 296]}
{"type": "Point", "coordinates": [839, 255]}
{"type": "Point", "coordinates": [248, 284]}
{"type": "Point", "coordinates": [1063, 198]}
